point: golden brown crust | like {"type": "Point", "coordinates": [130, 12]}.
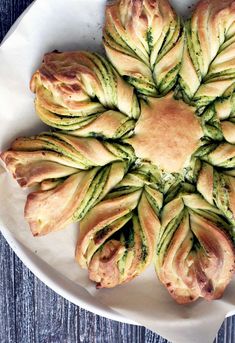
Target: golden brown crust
{"type": "Point", "coordinates": [208, 61]}
{"type": "Point", "coordinates": [101, 216]}
{"type": "Point", "coordinates": [205, 182]}
{"type": "Point", "coordinates": [103, 268]}
{"type": "Point", "coordinates": [52, 210]}
{"type": "Point", "coordinates": [150, 224]}
{"type": "Point", "coordinates": [143, 40]}
{"type": "Point", "coordinates": [107, 124]}
{"type": "Point", "coordinates": [115, 244]}
{"type": "Point", "coordinates": [231, 188]}
{"type": "Point", "coordinates": [223, 152]}
{"type": "Point", "coordinates": [228, 129]}
{"type": "Point", "coordinates": [78, 84]}
{"type": "Point", "coordinates": [205, 271]}
{"type": "Point", "coordinates": [167, 133]}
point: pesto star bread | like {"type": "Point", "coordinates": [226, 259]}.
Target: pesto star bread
{"type": "Point", "coordinates": [142, 151]}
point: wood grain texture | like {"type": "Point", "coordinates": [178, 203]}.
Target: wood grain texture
{"type": "Point", "coordinates": [32, 313]}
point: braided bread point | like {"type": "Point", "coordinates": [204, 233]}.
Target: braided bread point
{"type": "Point", "coordinates": [218, 188]}
{"type": "Point", "coordinates": [73, 87]}
{"type": "Point", "coordinates": [64, 167]}
{"type": "Point", "coordinates": [53, 155]}
{"type": "Point", "coordinates": [224, 109]}
{"type": "Point", "coordinates": [143, 39]}
{"type": "Point", "coordinates": [218, 154]}
{"type": "Point", "coordinates": [195, 255]}
{"type": "Point", "coordinates": [208, 61]}
{"type": "Point", "coordinates": [53, 209]}
{"type": "Point", "coordinates": [108, 125]}
{"type": "Point", "coordinates": [118, 236]}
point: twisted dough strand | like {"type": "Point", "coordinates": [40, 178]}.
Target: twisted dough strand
{"type": "Point", "coordinates": [195, 255]}
{"type": "Point", "coordinates": [144, 42]}
{"type": "Point", "coordinates": [118, 236]}
{"type": "Point", "coordinates": [73, 87]}
{"type": "Point", "coordinates": [81, 171]}
{"type": "Point", "coordinates": [208, 61]}
{"type": "Point", "coordinates": [218, 187]}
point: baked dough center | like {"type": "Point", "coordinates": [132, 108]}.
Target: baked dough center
{"type": "Point", "coordinates": [167, 133]}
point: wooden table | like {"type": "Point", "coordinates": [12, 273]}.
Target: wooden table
{"type": "Point", "coordinates": [32, 313]}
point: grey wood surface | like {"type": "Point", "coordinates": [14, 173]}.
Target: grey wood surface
{"type": "Point", "coordinates": [32, 313]}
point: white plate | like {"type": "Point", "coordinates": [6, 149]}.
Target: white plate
{"type": "Point", "coordinates": [61, 25]}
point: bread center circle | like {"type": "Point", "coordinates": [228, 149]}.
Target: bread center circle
{"type": "Point", "coordinates": [167, 133]}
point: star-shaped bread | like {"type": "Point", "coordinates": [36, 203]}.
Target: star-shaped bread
{"type": "Point", "coordinates": [141, 150]}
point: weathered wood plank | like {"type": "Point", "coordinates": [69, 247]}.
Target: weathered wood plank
{"type": "Point", "coordinates": [24, 302]}
{"type": "Point", "coordinates": [10, 10]}
{"type": "Point", "coordinates": [7, 293]}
